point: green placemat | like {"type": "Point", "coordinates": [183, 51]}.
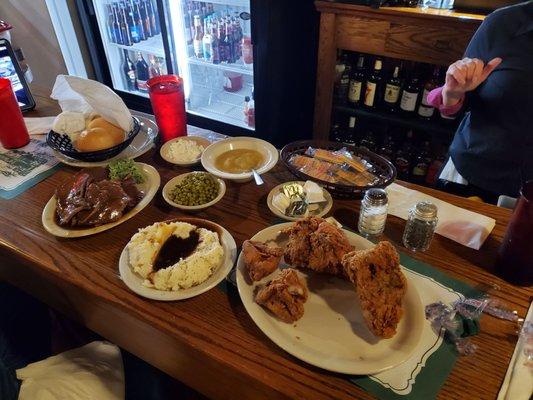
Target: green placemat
{"type": "Point", "coordinates": [437, 367]}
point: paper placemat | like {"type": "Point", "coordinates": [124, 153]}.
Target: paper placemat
{"type": "Point", "coordinates": [22, 168]}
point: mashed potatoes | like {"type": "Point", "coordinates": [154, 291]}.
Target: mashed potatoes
{"type": "Point", "coordinates": [192, 270]}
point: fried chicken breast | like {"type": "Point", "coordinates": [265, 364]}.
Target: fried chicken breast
{"type": "Point", "coordinates": [260, 259]}
{"type": "Point", "coordinates": [380, 286]}
{"type": "Point", "coordinates": [316, 244]}
{"type": "Point", "coordinates": [284, 296]}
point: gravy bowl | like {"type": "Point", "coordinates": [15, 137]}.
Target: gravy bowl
{"type": "Point", "coordinates": [269, 153]}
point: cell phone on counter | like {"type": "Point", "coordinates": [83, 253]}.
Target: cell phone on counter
{"type": "Point", "coordinates": [10, 69]}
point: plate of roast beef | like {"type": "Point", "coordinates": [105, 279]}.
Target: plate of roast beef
{"type": "Point", "coordinates": [93, 200]}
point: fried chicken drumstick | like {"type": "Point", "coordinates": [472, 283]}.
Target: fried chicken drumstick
{"type": "Point", "coordinates": [284, 296]}
{"type": "Point", "coordinates": [316, 244]}
{"type": "Point", "coordinates": [260, 259]}
{"type": "Point", "coordinates": [380, 286]}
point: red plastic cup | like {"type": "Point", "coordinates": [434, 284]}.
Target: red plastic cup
{"type": "Point", "coordinates": [13, 131]}
{"type": "Point", "coordinates": [515, 256]}
{"type": "Point", "coordinates": [168, 105]}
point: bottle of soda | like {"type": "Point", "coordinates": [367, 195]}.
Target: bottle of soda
{"type": "Point", "coordinates": [128, 69]}
{"type": "Point", "coordinates": [155, 66]}
{"type": "Point", "coordinates": [198, 38]}
{"type": "Point", "coordinates": [134, 29]}
{"type": "Point", "coordinates": [143, 73]}
{"type": "Point", "coordinates": [124, 26]}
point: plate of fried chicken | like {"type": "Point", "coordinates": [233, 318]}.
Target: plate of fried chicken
{"type": "Point", "coordinates": [330, 297]}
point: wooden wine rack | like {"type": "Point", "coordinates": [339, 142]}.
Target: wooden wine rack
{"type": "Point", "coordinates": [416, 34]}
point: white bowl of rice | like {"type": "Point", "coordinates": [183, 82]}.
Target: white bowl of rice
{"type": "Point", "coordinates": [184, 151]}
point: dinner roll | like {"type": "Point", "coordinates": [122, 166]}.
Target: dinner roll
{"type": "Point", "coordinates": [99, 122]}
{"type": "Point", "coordinates": [95, 139]}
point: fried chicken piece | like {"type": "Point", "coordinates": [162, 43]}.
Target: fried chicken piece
{"type": "Point", "coordinates": [380, 286]}
{"type": "Point", "coordinates": [284, 296]}
{"type": "Point", "coordinates": [260, 259]}
{"type": "Point", "coordinates": [316, 244]}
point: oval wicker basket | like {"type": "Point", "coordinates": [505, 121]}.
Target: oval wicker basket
{"type": "Point", "coordinates": [381, 167]}
{"type": "Point", "coordinates": [63, 144]}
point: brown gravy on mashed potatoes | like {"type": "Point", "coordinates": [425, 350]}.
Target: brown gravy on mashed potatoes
{"type": "Point", "coordinates": [239, 160]}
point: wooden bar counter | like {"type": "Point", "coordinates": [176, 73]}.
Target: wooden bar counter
{"type": "Point", "coordinates": [417, 34]}
{"type": "Point", "coordinates": [209, 342]}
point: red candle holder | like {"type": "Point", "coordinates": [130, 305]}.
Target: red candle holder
{"type": "Point", "coordinates": [515, 256]}
{"type": "Point", "coordinates": [168, 105]}
{"type": "Point", "coordinates": [13, 131]}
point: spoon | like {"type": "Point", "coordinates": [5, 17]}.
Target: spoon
{"type": "Point", "coordinates": [257, 177]}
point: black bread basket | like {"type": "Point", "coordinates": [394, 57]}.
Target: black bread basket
{"type": "Point", "coordinates": [381, 167]}
{"type": "Point", "coordinates": [63, 144]}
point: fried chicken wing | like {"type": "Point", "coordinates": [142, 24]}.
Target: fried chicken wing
{"type": "Point", "coordinates": [380, 286]}
{"type": "Point", "coordinates": [316, 244]}
{"type": "Point", "coordinates": [260, 259]}
{"type": "Point", "coordinates": [284, 296]}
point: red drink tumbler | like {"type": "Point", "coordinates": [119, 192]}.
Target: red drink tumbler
{"type": "Point", "coordinates": [168, 105]}
{"type": "Point", "coordinates": [13, 131]}
{"type": "Point", "coordinates": [515, 258]}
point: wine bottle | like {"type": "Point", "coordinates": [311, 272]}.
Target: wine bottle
{"type": "Point", "coordinates": [392, 91]}
{"type": "Point", "coordinates": [425, 110]}
{"type": "Point", "coordinates": [355, 87]}
{"type": "Point", "coordinates": [410, 96]}
{"type": "Point", "coordinates": [372, 85]}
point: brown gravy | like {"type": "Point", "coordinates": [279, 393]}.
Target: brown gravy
{"type": "Point", "coordinates": [239, 160]}
{"type": "Point", "coordinates": [176, 248]}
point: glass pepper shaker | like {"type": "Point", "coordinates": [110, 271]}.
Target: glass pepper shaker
{"type": "Point", "coordinates": [373, 214]}
{"type": "Point", "coordinates": [420, 226]}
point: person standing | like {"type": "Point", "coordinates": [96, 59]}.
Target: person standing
{"type": "Point", "coordinates": [492, 151]}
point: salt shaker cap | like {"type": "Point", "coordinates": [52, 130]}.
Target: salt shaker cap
{"type": "Point", "coordinates": [426, 210]}
{"type": "Point", "coordinates": [376, 197]}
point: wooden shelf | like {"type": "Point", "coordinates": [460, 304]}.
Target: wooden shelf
{"type": "Point", "coordinates": [416, 34]}
{"type": "Point", "coordinates": [414, 123]}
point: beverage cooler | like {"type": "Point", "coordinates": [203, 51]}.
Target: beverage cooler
{"type": "Point", "coordinates": [248, 65]}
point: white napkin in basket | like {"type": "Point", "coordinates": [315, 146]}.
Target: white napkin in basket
{"type": "Point", "coordinates": [87, 96]}
{"type": "Point", "coordinates": [462, 226]}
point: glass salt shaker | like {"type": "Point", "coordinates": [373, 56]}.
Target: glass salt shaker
{"type": "Point", "coordinates": [373, 214]}
{"type": "Point", "coordinates": [420, 226]}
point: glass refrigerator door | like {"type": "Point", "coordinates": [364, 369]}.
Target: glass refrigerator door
{"type": "Point", "coordinates": [213, 51]}
{"type": "Point", "coordinates": [131, 35]}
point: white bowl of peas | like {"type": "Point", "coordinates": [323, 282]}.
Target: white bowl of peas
{"type": "Point", "coordinates": [194, 191]}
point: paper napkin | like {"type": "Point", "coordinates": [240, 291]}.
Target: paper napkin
{"type": "Point", "coordinates": [87, 96]}
{"type": "Point", "coordinates": [39, 125]}
{"type": "Point", "coordinates": [518, 382]}
{"type": "Point", "coordinates": [462, 226]}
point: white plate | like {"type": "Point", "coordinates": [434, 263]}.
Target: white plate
{"type": "Point", "coordinates": [165, 150]}
{"type": "Point", "coordinates": [332, 333]}
{"type": "Point", "coordinates": [143, 142]}
{"type": "Point", "coordinates": [135, 282]}
{"type": "Point", "coordinates": [149, 187]}
{"type": "Point", "coordinates": [315, 209]}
